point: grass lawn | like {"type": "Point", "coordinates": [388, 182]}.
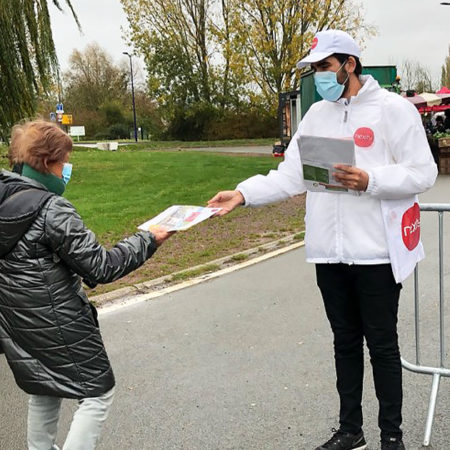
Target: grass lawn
{"type": "Point", "coordinates": [116, 191]}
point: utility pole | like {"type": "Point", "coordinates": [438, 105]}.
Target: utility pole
{"type": "Point", "coordinates": [132, 95]}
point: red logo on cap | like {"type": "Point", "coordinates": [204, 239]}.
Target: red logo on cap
{"type": "Point", "coordinates": [314, 43]}
{"type": "Point", "coordinates": [411, 227]}
{"type": "Point", "coordinates": [363, 137]}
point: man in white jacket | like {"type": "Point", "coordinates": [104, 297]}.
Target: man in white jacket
{"type": "Point", "coordinates": [346, 235]}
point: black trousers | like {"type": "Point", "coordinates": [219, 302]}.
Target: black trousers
{"type": "Point", "coordinates": [362, 302]}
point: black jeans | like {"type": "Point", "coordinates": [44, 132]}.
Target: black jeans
{"type": "Point", "coordinates": [362, 301]}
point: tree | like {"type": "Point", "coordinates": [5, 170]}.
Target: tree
{"type": "Point", "coordinates": [28, 62]}
{"type": "Point", "coordinates": [275, 34]}
{"type": "Point", "coordinates": [95, 90]}
{"type": "Point", "coordinates": [445, 77]}
{"type": "Point", "coordinates": [174, 38]}
{"type": "Point", "coordinates": [230, 51]}
{"type": "Point", "coordinates": [93, 79]}
{"type": "Point", "coordinates": [416, 77]}
{"type": "Point", "coordinates": [96, 93]}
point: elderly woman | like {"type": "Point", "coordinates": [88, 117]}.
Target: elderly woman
{"type": "Point", "coordinates": [48, 329]}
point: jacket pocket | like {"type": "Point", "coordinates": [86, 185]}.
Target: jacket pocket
{"type": "Point", "coordinates": [93, 310]}
{"type": "Point", "coordinates": [94, 314]}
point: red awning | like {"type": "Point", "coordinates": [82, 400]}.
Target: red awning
{"type": "Point", "coordinates": [443, 90]}
{"type": "Point", "coordinates": [427, 102]}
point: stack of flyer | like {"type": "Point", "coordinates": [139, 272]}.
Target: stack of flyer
{"type": "Point", "coordinates": [319, 155]}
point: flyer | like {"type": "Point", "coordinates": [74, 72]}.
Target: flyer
{"type": "Point", "coordinates": [319, 155]}
{"type": "Point", "coordinates": [179, 217]}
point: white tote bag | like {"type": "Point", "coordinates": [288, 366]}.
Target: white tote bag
{"type": "Point", "coordinates": [402, 226]}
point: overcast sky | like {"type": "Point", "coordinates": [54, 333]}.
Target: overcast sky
{"type": "Point", "coordinates": [418, 30]}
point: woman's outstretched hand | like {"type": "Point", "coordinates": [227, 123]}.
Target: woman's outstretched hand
{"type": "Point", "coordinates": [161, 234]}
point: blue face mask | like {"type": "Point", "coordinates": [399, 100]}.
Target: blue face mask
{"type": "Point", "coordinates": [66, 172]}
{"type": "Point", "coordinates": [327, 85]}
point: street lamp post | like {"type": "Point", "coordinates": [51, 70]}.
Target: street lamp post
{"type": "Point", "coordinates": [132, 94]}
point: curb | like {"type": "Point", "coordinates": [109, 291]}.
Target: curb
{"type": "Point", "coordinates": [238, 260]}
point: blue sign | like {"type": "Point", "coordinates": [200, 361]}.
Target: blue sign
{"type": "Point", "coordinates": [59, 108]}
{"type": "Point", "coordinates": [53, 117]}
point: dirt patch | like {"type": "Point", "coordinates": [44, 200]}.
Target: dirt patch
{"type": "Point", "coordinates": [215, 238]}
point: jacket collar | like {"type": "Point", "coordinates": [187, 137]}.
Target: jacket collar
{"type": "Point", "coordinates": [51, 182]}
{"type": "Point", "coordinates": [369, 87]}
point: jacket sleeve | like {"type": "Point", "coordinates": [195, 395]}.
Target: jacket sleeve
{"type": "Point", "coordinates": [77, 246]}
{"type": "Point", "coordinates": [412, 169]}
{"type": "Point", "coordinates": [280, 184]}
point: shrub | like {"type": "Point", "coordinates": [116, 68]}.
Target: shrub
{"type": "Point", "coordinates": [242, 125]}
{"type": "Point", "coordinates": [206, 122]}
{"type": "Point", "coordinates": [118, 131]}
{"type": "Point", "coordinates": [192, 124]}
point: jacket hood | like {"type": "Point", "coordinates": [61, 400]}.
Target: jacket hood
{"type": "Point", "coordinates": [370, 86]}
{"type": "Point", "coordinates": [21, 199]}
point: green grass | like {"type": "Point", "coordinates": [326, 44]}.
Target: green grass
{"type": "Point", "coordinates": [186, 274]}
{"type": "Point", "coordinates": [3, 156]}
{"type": "Point", "coordinates": [116, 191]}
{"type": "Point", "coordinates": [239, 257]}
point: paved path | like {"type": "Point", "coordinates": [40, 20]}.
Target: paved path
{"type": "Point", "coordinates": [256, 149]}
{"type": "Point", "coordinates": [243, 362]}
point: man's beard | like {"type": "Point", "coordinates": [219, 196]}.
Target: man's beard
{"type": "Point", "coordinates": [345, 81]}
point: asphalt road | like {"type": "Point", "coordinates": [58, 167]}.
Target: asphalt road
{"type": "Point", "coordinates": [245, 361]}
{"type": "Point", "coordinates": [255, 149]}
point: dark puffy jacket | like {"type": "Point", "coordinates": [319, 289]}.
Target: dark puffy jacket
{"type": "Point", "coordinates": [48, 329]}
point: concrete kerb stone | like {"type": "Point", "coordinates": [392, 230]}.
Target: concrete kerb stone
{"type": "Point", "coordinates": [168, 280]}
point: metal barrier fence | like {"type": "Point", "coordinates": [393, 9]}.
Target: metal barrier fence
{"type": "Point", "coordinates": [442, 371]}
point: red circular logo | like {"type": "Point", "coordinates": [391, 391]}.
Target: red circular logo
{"type": "Point", "coordinates": [314, 43]}
{"type": "Point", "coordinates": [363, 137]}
{"type": "Point", "coordinates": [411, 227]}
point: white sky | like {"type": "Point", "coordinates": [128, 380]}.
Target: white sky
{"type": "Point", "coordinates": [417, 30]}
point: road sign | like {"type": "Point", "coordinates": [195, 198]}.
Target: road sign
{"type": "Point", "coordinates": [59, 116]}
{"type": "Point", "coordinates": [53, 117]}
{"type": "Point", "coordinates": [59, 108]}
{"type": "Point", "coordinates": [67, 119]}
{"type": "Point", "coordinates": [77, 131]}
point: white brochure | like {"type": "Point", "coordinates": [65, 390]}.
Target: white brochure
{"type": "Point", "coordinates": [179, 217]}
{"type": "Point", "coordinates": [319, 155]}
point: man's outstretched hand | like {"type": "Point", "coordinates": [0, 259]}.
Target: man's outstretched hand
{"type": "Point", "coordinates": [227, 200]}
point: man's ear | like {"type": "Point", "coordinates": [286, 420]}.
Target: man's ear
{"type": "Point", "coordinates": [350, 65]}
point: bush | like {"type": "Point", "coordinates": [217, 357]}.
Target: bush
{"type": "Point", "coordinates": [242, 125]}
{"type": "Point", "coordinates": [118, 131]}
{"type": "Point", "coordinates": [101, 135]}
{"type": "Point", "coordinates": [112, 113]}
{"type": "Point", "coordinates": [191, 124]}
{"type": "Point", "coordinates": [206, 122]}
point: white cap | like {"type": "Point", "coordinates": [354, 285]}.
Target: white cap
{"type": "Point", "coordinates": [325, 43]}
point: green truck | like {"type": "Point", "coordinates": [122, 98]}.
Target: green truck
{"type": "Point", "coordinates": [292, 106]}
